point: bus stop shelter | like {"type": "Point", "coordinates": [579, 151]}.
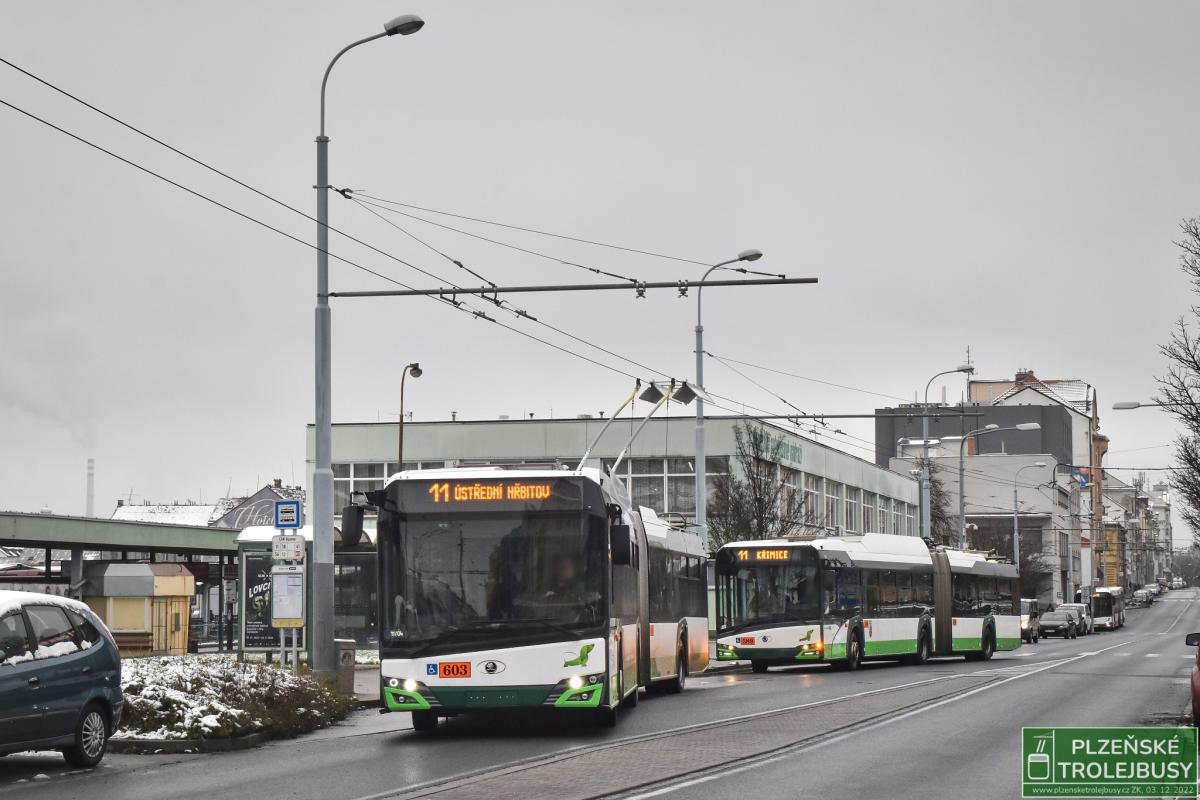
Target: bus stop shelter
{"type": "Point", "coordinates": [121, 539]}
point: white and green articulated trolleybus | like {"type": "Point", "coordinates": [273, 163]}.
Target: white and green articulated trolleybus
{"type": "Point", "coordinates": [505, 589]}
{"type": "Point", "coordinates": [849, 598]}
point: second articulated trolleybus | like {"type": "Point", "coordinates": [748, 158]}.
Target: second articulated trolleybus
{"type": "Point", "coordinates": [518, 588]}
{"type": "Point", "coordinates": [845, 599]}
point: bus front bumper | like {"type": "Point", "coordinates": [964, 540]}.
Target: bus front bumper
{"type": "Point", "coordinates": [575, 692]}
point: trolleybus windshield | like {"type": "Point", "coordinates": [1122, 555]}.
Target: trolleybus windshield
{"type": "Point", "coordinates": [760, 587]}
{"type": "Point", "coordinates": [489, 572]}
{"type": "Point", "coordinates": [1102, 604]}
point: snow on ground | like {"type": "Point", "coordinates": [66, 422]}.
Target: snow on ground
{"type": "Point", "coordinates": [369, 657]}
{"type": "Point", "coordinates": [215, 696]}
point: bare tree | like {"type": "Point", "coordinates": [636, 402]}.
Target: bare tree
{"type": "Point", "coordinates": [752, 501]}
{"type": "Point", "coordinates": [1179, 388]}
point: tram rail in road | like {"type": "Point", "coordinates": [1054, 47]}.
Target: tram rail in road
{"type": "Point", "coordinates": [685, 756]}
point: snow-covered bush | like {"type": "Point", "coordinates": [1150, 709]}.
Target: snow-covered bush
{"type": "Point", "coordinates": [215, 696]}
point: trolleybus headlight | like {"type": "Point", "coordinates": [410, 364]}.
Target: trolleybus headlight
{"type": "Point", "coordinates": [393, 682]}
{"type": "Point", "coordinates": [410, 685]}
{"type": "Point", "coordinates": [575, 682]}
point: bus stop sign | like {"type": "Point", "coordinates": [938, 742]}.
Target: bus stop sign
{"type": "Point", "coordinates": [287, 514]}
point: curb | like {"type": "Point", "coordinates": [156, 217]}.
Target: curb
{"type": "Point", "coordinates": [150, 746]}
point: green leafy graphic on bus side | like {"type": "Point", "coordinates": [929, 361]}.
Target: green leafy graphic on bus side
{"type": "Point", "coordinates": [581, 659]}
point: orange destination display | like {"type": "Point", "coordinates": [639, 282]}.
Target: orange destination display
{"type": "Point", "coordinates": [487, 495]}
{"type": "Point", "coordinates": [482, 492]}
{"type": "Point", "coordinates": [761, 555]}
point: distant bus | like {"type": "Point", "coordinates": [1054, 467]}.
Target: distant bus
{"type": "Point", "coordinates": [845, 599]}
{"type": "Point", "coordinates": [517, 588]}
{"type": "Point", "coordinates": [1108, 607]}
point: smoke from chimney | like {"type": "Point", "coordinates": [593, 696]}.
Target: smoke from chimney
{"type": "Point", "coordinates": [90, 506]}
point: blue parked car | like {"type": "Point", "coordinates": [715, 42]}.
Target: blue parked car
{"type": "Point", "coordinates": [60, 678]}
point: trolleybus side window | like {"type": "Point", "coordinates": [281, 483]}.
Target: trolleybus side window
{"type": "Point", "coordinates": [843, 594]}
{"type": "Point", "coordinates": [986, 601]}
{"type": "Point", "coordinates": [1004, 597]}
{"type": "Point", "coordinates": [964, 594]}
{"type": "Point", "coordinates": [881, 592]}
{"type": "Point", "coordinates": [923, 592]}
{"type": "Point", "coordinates": [904, 595]}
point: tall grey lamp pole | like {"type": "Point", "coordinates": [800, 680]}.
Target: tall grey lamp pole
{"type": "Point", "coordinates": [701, 485]}
{"type": "Point", "coordinates": [323, 657]}
{"type": "Point", "coordinates": [415, 370]}
{"type": "Point", "coordinates": [926, 523]}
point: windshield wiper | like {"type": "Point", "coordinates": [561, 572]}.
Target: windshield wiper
{"type": "Point", "coordinates": [546, 623]}
{"type": "Point", "coordinates": [450, 632]}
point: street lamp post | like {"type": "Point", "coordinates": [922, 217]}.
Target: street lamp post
{"type": "Point", "coordinates": [962, 469]}
{"type": "Point", "coordinates": [701, 485]}
{"type": "Point", "coordinates": [323, 657]}
{"type": "Point", "coordinates": [1016, 522]}
{"type": "Point", "coordinates": [413, 369]}
{"type": "Point", "coordinates": [926, 523]}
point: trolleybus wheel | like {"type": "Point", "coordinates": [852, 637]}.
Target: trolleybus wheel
{"type": "Point", "coordinates": [922, 656]}
{"type": "Point", "coordinates": [759, 667]}
{"type": "Point", "coordinates": [679, 682]}
{"type": "Point", "coordinates": [424, 721]}
{"type": "Point", "coordinates": [987, 650]}
{"type": "Point", "coordinates": [606, 717]}
{"type": "Point", "coordinates": [853, 653]}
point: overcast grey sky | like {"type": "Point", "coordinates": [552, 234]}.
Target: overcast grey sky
{"type": "Point", "coordinates": [1007, 177]}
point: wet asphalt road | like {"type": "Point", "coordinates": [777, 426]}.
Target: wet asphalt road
{"type": "Point", "coordinates": [1132, 676]}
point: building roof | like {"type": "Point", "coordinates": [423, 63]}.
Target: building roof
{"type": "Point", "coordinates": [172, 514]}
{"type": "Point", "coordinates": [1071, 392]}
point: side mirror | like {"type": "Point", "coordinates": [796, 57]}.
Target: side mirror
{"type": "Point", "coordinates": [1192, 639]}
{"type": "Point", "coordinates": [352, 525]}
{"type": "Point", "coordinates": [620, 539]}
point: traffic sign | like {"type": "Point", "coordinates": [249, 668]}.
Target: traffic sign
{"type": "Point", "coordinates": [287, 514]}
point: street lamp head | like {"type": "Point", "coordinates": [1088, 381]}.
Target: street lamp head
{"type": "Point", "coordinates": [967, 368]}
{"type": "Point", "coordinates": [414, 369]}
{"type": "Point", "coordinates": [1126, 405]}
{"type": "Point", "coordinates": [1039, 463]}
{"type": "Point", "coordinates": [749, 255]}
{"type": "Point", "coordinates": [1028, 426]}
{"type": "Point", "coordinates": [404, 25]}
{"type": "Point", "coordinates": [991, 426]}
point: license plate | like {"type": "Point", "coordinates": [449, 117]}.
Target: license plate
{"type": "Point", "coordinates": [454, 669]}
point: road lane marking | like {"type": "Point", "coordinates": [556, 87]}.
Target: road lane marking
{"type": "Point", "coordinates": [1151, 655]}
{"type": "Point", "coordinates": [790, 753]}
{"type": "Point", "coordinates": [1125, 655]}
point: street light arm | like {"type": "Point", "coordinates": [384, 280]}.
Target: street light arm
{"type": "Point", "coordinates": [700, 289]}
{"type": "Point", "coordinates": [342, 52]}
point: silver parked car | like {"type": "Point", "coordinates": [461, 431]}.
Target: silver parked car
{"type": "Point", "coordinates": [1083, 616]}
